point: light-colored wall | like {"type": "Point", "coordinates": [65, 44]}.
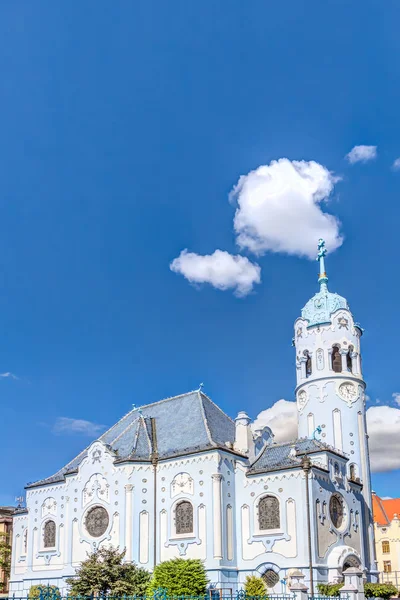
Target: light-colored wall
{"type": "Point", "coordinates": [390, 533]}
{"type": "Point", "coordinates": [225, 500]}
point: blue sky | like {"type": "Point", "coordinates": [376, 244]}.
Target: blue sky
{"type": "Point", "coordinates": [125, 126]}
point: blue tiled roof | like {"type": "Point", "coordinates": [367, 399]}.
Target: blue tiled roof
{"type": "Point", "coordinates": [187, 423]}
{"type": "Point", "coordinates": [283, 456]}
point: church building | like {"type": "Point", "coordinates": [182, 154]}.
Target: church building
{"type": "Point", "coordinates": [180, 478]}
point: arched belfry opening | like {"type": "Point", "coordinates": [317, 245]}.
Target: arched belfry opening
{"type": "Point", "coordinates": [308, 363]}
{"type": "Point", "coordinates": [336, 359]}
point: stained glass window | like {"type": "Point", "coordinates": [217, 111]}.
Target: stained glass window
{"type": "Point", "coordinates": [97, 521]}
{"type": "Point", "coordinates": [336, 511]}
{"type": "Point", "coordinates": [184, 517]}
{"type": "Point", "coordinates": [268, 513]}
{"type": "Point", "coordinates": [49, 534]}
{"type": "Point", "coordinates": [270, 578]}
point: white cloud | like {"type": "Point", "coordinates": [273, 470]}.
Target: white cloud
{"type": "Point", "coordinates": [279, 208]}
{"type": "Point", "coordinates": [361, 154]}
{"type": "Point", "coordinates": [396, 165]}
{"type": "Point", "coordinates": [281, 418]}
{"type": "Point", "coordinates": [221, 270]}
{"type": "Point", "coordinates": [396, 398]}
{"type": "Point", "coordinates": [68, 425]}
{"type": "Point", "coordinates": [383, 423]}
{"type": "Point", "coordinates": [9, 375]}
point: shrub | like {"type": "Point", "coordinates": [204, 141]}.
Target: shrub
{"type": "Point", "coordinates": [380, 590]}
{"type": "Point", "coordinates": [255, 586]}
{"type": "Point", "coordinates": [104, 573]}
{"type": "Point", "coordinates": [329, 589]}
{"type": "Point", "coordinates": [180, 577]}
{"type": "Point", "coordinates": [48, 591]}
{"type": "Point", "coordinates": [372, 590]}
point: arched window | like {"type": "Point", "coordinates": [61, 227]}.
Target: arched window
{"type": "Point", "coordinates": [352, 472]}
{"type": "Point", "coordinates": [385, 547]}
{"type": "Point", "coordinates": [49, 534]}
{"type": "Point", "coordinates": [336, 360]}
{"type": "Point", "coordinates": [308, 363]}
{"type": "Point", "coordinates": [336, 511]}
{"type": "Point", "coordinates": [336, 469]}
{"type": "Point", "coordinates": [184, 517]}
{"type": "Point", "coordinates": [268, 513]}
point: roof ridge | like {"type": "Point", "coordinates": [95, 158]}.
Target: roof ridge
{"type": "Point", "coordinates": [203, 414]}
{"type": "Point", "coordinates": [149, 439]}
{"type": "Point", "coordinates": [123, 431]}
{"type": "Point", "coordinates": [166, 399]}
{"type": "Point", "coordinates": [216, 405]}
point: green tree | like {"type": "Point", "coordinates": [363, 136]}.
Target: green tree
{"type": "Point", "coordinates": [180, 577]}
{"type": "Point", "coordinates": [104, 573]}
{"type": "Point", "coordinates": [255, 586]}
{"type": "Point", "coordinates": [5, 556]}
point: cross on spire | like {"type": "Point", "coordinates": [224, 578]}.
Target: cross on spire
{"type": "Point", "coordinates": [322, 278]}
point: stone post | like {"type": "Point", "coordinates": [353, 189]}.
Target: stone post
{"type": "Point", "coordinates": [353, 588]}
{"type": "Point", "coordinates": [297, 587]}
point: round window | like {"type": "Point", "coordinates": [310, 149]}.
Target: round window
{"type": "Point", "coordinates": [270, 578]}
{"type": "Point", "coordinates": [336, 511]}
{"type": "Point", "coordinates": [96, 521]}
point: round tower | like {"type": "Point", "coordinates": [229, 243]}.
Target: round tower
{"type": "Point", "coordinates": [330, 389]}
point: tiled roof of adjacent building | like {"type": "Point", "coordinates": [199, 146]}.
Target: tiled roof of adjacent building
{"type": "Point", "coordinates": [384, 509]}
{"type": "Point", "coordinates": [185, 424]}
{"type": "Point", "coordinates": [283, 456]}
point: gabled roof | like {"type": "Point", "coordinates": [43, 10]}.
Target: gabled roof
{"type": "Point", "coordinates": [384, 510]}
{"type": "Point", "coordinates": [275, 457]}
{"type": "Point", "coordinates": [184, 424]}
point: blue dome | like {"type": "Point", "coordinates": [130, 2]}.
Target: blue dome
{"type": "Point", "coordinates": [320, 307]}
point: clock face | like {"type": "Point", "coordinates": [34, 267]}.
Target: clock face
{"type": "Point", "coordinates": [348, 391]}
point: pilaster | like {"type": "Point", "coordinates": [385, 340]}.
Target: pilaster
{"type": "Point", "coordinates": [217, 515]}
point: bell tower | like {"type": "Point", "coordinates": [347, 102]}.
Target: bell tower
{"type": "Point", "coordinates": [330, 389]}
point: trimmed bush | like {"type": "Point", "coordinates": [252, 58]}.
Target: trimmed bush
{"type": "Point", "coordinates": [255, 586]}
{"type": "Point", "coordinates": [51, 590]}
{"type": "Point", "coordinates": [380, 590]}
{"type": "Point", "coordinates": [372, 590]}
{"type": "Point", "coordinates": [329, 589]}
{"type": "Point", "coordinates": [180, 577]}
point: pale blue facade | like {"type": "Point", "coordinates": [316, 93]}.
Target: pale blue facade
{"type": "Point", "coordinates": [243, 496]}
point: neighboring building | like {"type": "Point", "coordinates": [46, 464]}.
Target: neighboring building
{"type": "Point", "coordinates": [387, 537]}
{"type": "Point", "coordinates": [181, 478]}
{"type": "Point", "coordinates": [6, 521]}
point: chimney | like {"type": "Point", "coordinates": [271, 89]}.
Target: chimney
{"type": "Point", "coordinates": [243, 434]}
